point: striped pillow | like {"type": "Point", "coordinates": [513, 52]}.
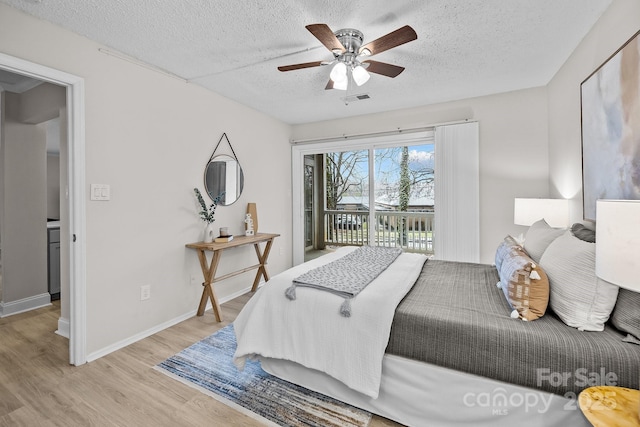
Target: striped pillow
{"type": "Point", "coordinates": [503, 249]}
{"type": "Point", "coordinates": [626, 315]}
{"type": "Point", "coordinates": [525, 285]}
{"type": "Point", "coordinates": [578, 296]}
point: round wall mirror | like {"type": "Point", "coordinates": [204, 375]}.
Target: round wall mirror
{"type": "Point", "coordinates": [223, 178]}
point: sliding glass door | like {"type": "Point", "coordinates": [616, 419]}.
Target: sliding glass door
{"type": "Point", "coordinates": [309, 189]}
{"type": "Point", "coordinates": [346, 214]}
{"type": "Point", "coordinates": [376, 196]}
{"type": "Point", "coordinates": [382, 191]}
{"type": "Point", "coordinates": [404, 197]}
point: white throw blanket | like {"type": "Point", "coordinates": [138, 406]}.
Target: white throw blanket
{"type": "Point", "coordinates": [307, 330]}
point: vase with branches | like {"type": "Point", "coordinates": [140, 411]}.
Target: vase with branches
{"type": "Point", "coordinates": [207, 214]}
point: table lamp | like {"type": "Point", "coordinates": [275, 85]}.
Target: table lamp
{"type": "Point", "coordinates": [554, 211]}
{"type": "Point", "coordinates": [617, 243]}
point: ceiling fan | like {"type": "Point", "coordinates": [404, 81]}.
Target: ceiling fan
{"type": "Point", "coordinates": [348, 52]}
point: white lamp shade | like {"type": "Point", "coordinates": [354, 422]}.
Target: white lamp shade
{"type": "Point", "coordinates": [360, 75]}
{"type": "Point", "coordinates": [341, 84]}
{"type": "Point", "coordinates": [339, 72]}
{"type": "Point", "coordinates": [554, 211]}
{"type": "Point", "coordinates": [618, 242]}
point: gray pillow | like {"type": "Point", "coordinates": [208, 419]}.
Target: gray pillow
{"type": "Point", "coordinates": [577, 295]}
{"type": "Point", "coordinates": [583, 233]}
{"type": "Point", "coordinates": [538, 237]}
{"type": "Point", "coordinates": [626, 314]}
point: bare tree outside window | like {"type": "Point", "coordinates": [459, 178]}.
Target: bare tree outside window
{"type": "Point", "coordinates": [346, 172]}
{"type": "Point", "coordinates": [403, 194]}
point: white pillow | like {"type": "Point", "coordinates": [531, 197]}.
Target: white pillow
{"type": "Point", "coordinates": [577, 296]}
{"type": "Point", "coordinates": [538, 238]}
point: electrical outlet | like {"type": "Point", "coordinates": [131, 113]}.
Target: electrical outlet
{"type": "Point", "coordinates": [281, 250]}
{"type": "Point", "coordinates": [145, 292]}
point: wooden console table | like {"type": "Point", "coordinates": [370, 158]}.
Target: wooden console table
{"type": "Point", "coordinates": [209, 269]}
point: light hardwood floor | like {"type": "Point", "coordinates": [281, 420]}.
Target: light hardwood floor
{"type": "Point", "coordinates": [38, 387]}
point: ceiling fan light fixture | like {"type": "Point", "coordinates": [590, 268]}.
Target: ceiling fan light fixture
{"type": "Point", "coordinates": [360, 75]}
{"type": "Point", "coordinates": [341, 84]}
{"type": "Point", "coordinates": [347, 49]}
{"type": "Point", "coordinates": [339, 72]}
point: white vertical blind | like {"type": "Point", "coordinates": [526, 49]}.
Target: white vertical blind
{"type": "Point", "coordinates": [457, 201]}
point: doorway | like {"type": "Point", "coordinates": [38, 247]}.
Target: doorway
{"type": "Point", "coordinates": [73, 213]}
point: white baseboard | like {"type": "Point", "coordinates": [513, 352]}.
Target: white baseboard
{"type": "Point", "coordinates": [25, 304]}
{"type": "Point", "coordinates": [63, 327]}
{"type": "Point", "coordinates": [144, 334]}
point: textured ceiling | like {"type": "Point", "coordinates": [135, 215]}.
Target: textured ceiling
{"type": "Point", "coordinates": [464, 48]}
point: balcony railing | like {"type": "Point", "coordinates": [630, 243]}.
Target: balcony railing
{"type": "Point", "coordinates": [412, 231]}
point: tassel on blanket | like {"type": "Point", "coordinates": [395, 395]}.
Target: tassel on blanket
{"type": "Point", "coordinates": [345, 308]}
{"type": "Point", "coordinates": [291, 292]}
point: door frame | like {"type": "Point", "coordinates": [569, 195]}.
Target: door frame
{"type": "Point", "coordinates": [76, 198]}
{"type": "Point", "coordinates": [310, 163]}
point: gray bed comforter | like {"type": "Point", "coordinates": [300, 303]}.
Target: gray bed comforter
{"type": "Point", "coordinates": [456, 317]}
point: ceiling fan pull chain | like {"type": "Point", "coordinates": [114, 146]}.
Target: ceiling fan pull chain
{"type": "Point", "coordinates": [346, 92]}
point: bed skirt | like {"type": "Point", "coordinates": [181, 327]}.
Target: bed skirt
{"type": "Point", "coordinates": [418, 394]}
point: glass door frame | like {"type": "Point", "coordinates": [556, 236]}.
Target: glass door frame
{"type": "Point", "coordinates": [298, 151]}
{"type": "Point", "coordinates": [309, 231]}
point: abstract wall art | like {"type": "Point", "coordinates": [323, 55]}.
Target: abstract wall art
{"type": "Point", "coordinates": [610, 102]}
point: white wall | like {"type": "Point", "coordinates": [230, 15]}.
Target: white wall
{"type": "Point", "coordinates": [2, 114]}
{"type": "Point", "coordinates": [149, 136]}
{"type": "Point", "coordinates": [614, 28]}
{"type": "Point", "coordinates": [53, 186]}
{"type": "Point", "coordinates": [65, 234]}
{"type": "Point", "coordinates": [24, 240]}
{"type": "Point", "coordinates": [513, 150]}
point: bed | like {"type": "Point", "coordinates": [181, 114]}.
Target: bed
{"type": "Point", "coordinates": [451, 355]}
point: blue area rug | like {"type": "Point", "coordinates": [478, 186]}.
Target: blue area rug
{"type": "Point", "coordinates": [208, 366]}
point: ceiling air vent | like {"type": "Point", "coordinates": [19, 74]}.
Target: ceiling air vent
{"type": "Point", "coordinates": [354, 98]}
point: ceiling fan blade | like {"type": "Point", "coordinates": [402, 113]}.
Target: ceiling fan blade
{"type": "Point", "coordinates": [329, 85]}
{"type": "Point", "coordinates": [395, 38]}
{"type": "Point", "coordinates": [300, 66]}
{"type": "Point", "coordinates": [383, 68]}
{"type": "Point", "coordinates": [323, 33]}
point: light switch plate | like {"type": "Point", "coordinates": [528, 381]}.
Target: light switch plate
{"type": "Point", "coordinates": [100, 192]}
